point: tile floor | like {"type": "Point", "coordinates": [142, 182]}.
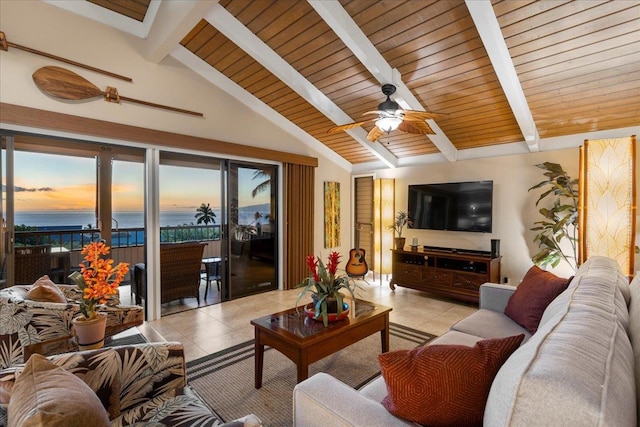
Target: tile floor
{"type": "Point", "coordinates": [216, 327]}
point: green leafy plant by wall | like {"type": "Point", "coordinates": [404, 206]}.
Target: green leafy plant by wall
{"type": "Point", "coordinates": [560, 221]}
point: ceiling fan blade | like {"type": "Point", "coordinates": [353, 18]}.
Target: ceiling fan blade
{"type": "Point", "coordinates": [348, 126]}
{"type": "Point", "coordinates": [374, 134]}
{"type": "Point", "coordinates": [409, 127]}
{"type": "Point", "coordinates": [420, 115]}
{"type": "Point", "coordinates": [418, 127]}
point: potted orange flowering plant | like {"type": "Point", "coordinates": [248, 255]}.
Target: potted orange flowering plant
{"type": "Point", "coordinates": [98, 280]}
{"type": "Point", "coordinates": [324, 285]}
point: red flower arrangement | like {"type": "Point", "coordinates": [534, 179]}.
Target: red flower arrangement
{"type": "Point", "coordinates": [324, 284]}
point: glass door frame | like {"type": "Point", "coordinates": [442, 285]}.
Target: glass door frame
{"type": "Point", "coordinates": [275, 204]}
{"type": "Point", "coordinates": [100, 153]}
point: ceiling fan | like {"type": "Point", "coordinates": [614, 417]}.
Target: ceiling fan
{"type": "Point", "coordinates": [392, 117]}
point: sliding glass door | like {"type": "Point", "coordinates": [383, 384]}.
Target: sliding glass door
{"type": "Point", "coordinates": [191, 210]}
{"type": "Point", "coordinates": [252, 238]}
{"type": "Point", "coordinates": [59, 195]}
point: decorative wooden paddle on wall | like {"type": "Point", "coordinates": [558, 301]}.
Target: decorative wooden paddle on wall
{"type": "Point", "coordinates": [6, 44]}
{"type": "Point", "coordinates": [61, 83]}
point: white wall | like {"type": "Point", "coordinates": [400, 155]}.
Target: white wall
{"type": "Point", "coordinates": [46, 28]}
{"type": "Point", "coordinates": [514, 210]}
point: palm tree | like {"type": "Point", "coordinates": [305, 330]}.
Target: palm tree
{"type": "Point", "coordinates": [205, 214]}
{"type": "Point", "coordinates": [265, 175]}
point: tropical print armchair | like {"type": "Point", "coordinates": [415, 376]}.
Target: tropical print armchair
{"type": "Point", "coordinates": [25, 324]}
{"type": "Point", "coordinates": [142, 384]}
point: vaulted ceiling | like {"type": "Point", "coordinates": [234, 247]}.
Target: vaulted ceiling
{"type": "Point", "coordinates": [499, 72]}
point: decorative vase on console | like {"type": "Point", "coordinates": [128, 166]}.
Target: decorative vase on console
{"type": "Point", "coordinates": [402, 220]}
{"type": "Point", "coordinates": [324, 286]}
{"type": "Point", "coordinates": [98, 280]}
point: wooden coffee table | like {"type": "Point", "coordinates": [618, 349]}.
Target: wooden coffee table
{"type": "Point", "coordinates": [305, 340]}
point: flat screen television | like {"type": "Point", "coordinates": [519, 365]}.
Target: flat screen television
{"type": "Point", "coordinates": [455, 206]}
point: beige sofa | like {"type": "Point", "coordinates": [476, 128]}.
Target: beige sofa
{"type": "Point", "coordinates": [581, 367]}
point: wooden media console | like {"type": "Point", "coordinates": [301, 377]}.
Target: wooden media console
{"type": "Point", "coordinates": [454, 273]}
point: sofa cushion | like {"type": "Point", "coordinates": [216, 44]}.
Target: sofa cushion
{"type": "Point", "coordinates": [47, 395]}
{"type": "Point", "coordinates": [439, 385]}
{"type": "Point", "coordinates": [489, 324]}
{"type": "Point", "coordinates": [634, 332]}
{"type": "Point", "coordinates": [181, 406]}
{"type": "Point", "coordinates": [44, 290]}
{"type": "Point", "coordinates": [532, 296]}
{"type": "Point", "coordinates": [577, 369]}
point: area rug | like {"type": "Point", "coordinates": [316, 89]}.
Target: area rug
{"type": "Point", "coordinates": [225, 380]}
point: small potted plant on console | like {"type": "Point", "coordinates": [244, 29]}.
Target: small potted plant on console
{"type": "Point", "coordinates": [402, 220]}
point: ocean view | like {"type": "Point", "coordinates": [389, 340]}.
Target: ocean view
{"type": "Point", "coordinates": [131, 219]}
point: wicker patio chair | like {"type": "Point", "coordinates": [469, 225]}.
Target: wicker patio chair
{"type": "Point", "coordinates": [180, 265]}
{"type": "Point", "coordinates": [31, 263]}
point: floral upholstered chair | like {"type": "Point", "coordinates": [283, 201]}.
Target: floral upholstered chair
{"type": "Point", "coordinates": [25, 323]}
{"type": "Point", "coordinates": [142, 384]}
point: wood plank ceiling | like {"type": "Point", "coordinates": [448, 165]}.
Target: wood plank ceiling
{"type": "Point", "coordinates": [577, 62]}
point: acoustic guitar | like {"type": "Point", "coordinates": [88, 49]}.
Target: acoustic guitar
{"type": "Point", "coordinates": [357, 264]}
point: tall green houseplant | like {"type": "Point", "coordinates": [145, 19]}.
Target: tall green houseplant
{"type": "Point", "coordinates": [560, 222]}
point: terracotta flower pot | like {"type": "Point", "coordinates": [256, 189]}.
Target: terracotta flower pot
{"type": "Point", "coordinates": [90, 333]}
{"type": "Point", "coordinates": [400, 242]}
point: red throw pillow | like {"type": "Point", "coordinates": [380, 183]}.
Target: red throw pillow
{"type": "Point", "coordinates": [444, 385]}
{"type": "Point", "coordinates": [532, 296]}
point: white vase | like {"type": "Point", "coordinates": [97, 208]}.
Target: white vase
{"type": "Point", "coordinates": [90, 333]}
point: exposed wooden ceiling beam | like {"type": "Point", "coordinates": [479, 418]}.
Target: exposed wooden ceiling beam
{"type": "Point", "coordinates": [173, 21]}
{"type": "Point", "coordinates": [352, 36]}
{"type": "Point", "coordinates": [487, 25]}
{"type": "Point", "coordinates": [235, 31]}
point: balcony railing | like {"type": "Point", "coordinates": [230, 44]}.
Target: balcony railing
{"type": "Point", "coordinates": [127, 244]}
{"type": "Point", "coordinates": [74, 240]}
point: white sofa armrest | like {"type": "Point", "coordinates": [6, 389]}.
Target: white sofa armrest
{"type": "Point", "coordinates": [494, 296]}
{"type": "Point", "coordinates": [323, 400]}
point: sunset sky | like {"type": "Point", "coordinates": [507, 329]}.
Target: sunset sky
{"type": "Point", "coordinates": [53, 182]}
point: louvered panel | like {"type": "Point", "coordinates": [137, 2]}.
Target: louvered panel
{"type": "Point", "coordinates": [363, 215]}
{"type": "Point", "coordinates": [134, 9]}
{"type": "Point", "coordinates": [578, 63]}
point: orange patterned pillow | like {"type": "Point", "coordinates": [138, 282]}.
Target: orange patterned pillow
{"type": "Point", "coordinates": [444, 385]}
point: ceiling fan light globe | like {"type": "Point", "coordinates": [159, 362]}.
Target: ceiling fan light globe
{"type": "Point", "coordinates": [388, 124]}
